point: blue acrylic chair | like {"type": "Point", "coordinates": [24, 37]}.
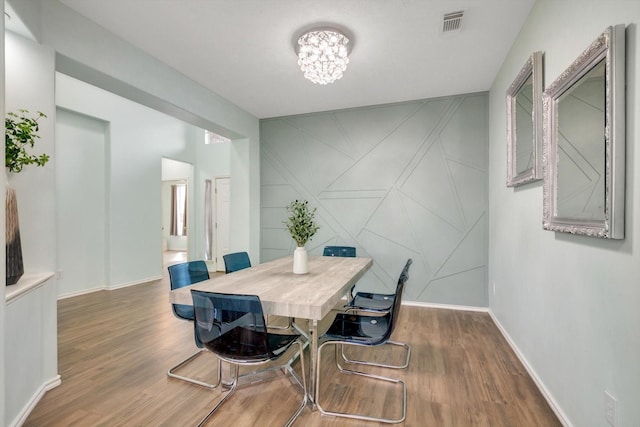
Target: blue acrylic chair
{"type": "Point", "coordinates": [363, 328]}
{"type": "Point", "coordinates": [343, 251]}
{"type": "Point", "coordinates": [233, 327]}
{"type": "Point", "coordinates": [239, 261]}
{"type": "Point", "coordinates": [236, 261]}
{"type": "Point", "coordinates": [381, 303]}
{"type": "Point", "coordinates": [181, 275]}
{"type": "Point", "coordinates": [369, 301]}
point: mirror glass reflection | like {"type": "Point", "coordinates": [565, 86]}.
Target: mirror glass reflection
{"type": "Point", "coordinates": [581, 146]}
{"type": "Point", "coordinates": [524, 124]}
{"type": "Point", "coordinates": [524, 127]}
{"type": "Point", "coordinates": [584, 142]}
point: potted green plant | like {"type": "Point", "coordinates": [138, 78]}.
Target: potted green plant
{"type": "Point", "coordinates": [21, 132]}
{"type": "Point", "coordinates": [302, 227]}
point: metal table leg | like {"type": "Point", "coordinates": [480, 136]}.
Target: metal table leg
{"type": "Point", "coordinates": [313, 363]}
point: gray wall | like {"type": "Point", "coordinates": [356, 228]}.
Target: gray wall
{"type": "Point", "coordinates": [81, 202]}
{"type": "Point", "coordinates": [396, 181]}
{"type": "Point", "coordinates": [29, 85]}
{"type": "Point", "coordinates": [137, 140]}
{"type": "Point", "coordinates": [88, 51]}
{"type": "Point", "coordinates": [2, 222]}
{"type": "Point", "coordinates": [568, 303]}
{"type": "Point", "coordinates": [30, 365]}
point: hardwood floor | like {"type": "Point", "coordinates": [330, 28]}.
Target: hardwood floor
{"type": "Point", "coordinates": [116, 346]}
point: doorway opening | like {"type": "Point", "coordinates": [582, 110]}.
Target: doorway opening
{"type": "Point", "coordinates": [176, 210]}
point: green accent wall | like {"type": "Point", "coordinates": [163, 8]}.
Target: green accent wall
{"type": "Point", "coordinates": [396, 181]}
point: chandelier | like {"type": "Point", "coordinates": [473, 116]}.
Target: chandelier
{"type": "Point", "coordinates": [322, 55]}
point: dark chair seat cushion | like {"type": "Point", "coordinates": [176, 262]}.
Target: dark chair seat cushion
{"type": "Point", "coordinates": [382, 302]}
{"type": "Point", "coordinates": [367, 330]}
{"type": "Point", "coordinates": [248, 344]}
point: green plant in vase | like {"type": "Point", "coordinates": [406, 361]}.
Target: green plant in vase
{"type": "Point", "coordinates": [302, 227]}
{"type": "Point", "coordinates": [21, 131]}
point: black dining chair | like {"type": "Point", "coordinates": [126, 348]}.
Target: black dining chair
{"type": "Point", "coordinates": [181, 275]}
{"type": "Point", "coordinates": [236, 261]}
{"type": "Point", "coordinates": [381, 303]}
{"type": "Point", "coordinates": [233, 328]}
{"type": "Point", "coordinates": [363, 328]}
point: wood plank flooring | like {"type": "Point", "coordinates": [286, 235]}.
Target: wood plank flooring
{"type": "Point", "coordinates": [116, 346]}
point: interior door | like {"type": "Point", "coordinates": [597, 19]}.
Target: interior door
{"type": "Point", "coordinates": [223, 193]}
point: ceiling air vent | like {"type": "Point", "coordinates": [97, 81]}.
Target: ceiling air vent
{"type": "Point", "coordinates": [452, 22]}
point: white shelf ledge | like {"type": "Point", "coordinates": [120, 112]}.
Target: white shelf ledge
{"type": "Point", "coordinates": [26, 284]}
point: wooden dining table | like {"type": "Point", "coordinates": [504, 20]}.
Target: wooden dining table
{"type": "Point", "coordinates": [309, 296]}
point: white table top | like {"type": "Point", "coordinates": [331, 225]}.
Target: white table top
{"type": "Point", "coordinates": [283, 293]}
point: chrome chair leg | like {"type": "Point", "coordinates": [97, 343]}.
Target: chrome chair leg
{"type": "Point", "coordinates": [304, 386]}
{"type": "Point", "coordinates": [289, 326]}
{"type": "Point", "coordinates": [352, 372]}
{"type": "Point", "coordinates": [171, 372]}
{"type": "Point", "coordinates": [234, 386]}
{"type": "Point", "coordinates": [380, 365]}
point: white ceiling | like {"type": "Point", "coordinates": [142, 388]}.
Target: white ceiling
{"type": "Point", "coordinates": [243, 49]}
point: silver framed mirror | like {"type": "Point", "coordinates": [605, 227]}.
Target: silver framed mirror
{"type": "Point", "coordinates": [524, 124]}
{"type": "Point", "coordinates": [584, 142]}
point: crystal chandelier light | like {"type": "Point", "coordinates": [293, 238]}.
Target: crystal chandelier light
{"type": "Point", "coordinates": [322, 55]}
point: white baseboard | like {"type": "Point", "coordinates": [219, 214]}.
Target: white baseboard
{"type": "Point", "coordinates": [108, 288]}
{"type": "Point", "coordinates": [137, 282]}
{"type": "Point", "coordinates": [31, 404]}
{"type": "Point", "coordinates": [81, 292]}
{"type": "Point", "coordinates": [445, 306]}
{"type": "Point", "coordinates": [532, 373]}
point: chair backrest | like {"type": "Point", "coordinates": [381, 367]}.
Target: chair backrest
{"type": "Point", "coordinates": [395, 309]}
{"type": "Point", "coordinates": [231, 325]}
{"type": "Point", "coordinates": [405, 270]}
{"type": "Point", "coordinates": [185, 274]}
{"type": "Point", "coordinates": [236, 261]}
{"type": "Point", "coordinates": [342, 251]}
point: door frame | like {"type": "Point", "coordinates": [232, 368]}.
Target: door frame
{"type": "Point", "coordinates": [221, 227]}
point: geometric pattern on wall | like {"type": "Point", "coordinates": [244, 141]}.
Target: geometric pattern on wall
{"type": "Point", "coordinates": [397, 181]}
{"type": "Point", "coordinates": [582, 174]}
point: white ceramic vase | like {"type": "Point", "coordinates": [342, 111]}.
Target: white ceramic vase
{"type": "Point", "coordinates": [300, 260]}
